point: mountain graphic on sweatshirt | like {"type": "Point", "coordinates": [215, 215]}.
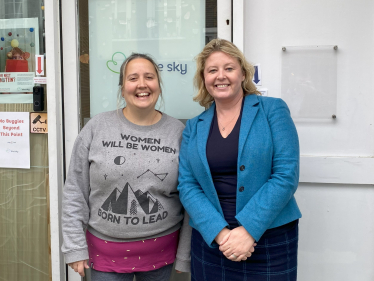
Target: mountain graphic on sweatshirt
{"type": "Point", "coordinates": [127, 201]}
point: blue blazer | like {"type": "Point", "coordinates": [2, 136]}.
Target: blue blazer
{"type": "Point", "coordinates": [268, 170]}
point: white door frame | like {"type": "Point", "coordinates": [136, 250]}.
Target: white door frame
{"type": "Point", "coordinates": [69, 12]}
{"type": "Point", "coordinates": [70, 27]}
{"type": "Point", "coordinates": [238, 24]}
{"type": "Point", "coordinates": [224, 21]}
{"type": "Point", "coordinates": [55, 134]}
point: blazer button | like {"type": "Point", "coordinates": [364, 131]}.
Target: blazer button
{"type": "Point", "coordinates": [242, 168]}
{"type": "Point", "coordinates": [241, 189]}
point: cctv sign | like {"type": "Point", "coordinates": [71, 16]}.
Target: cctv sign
{"type": "Point", "coordinates": [38, 123]}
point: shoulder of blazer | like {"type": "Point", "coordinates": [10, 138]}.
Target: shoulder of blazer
{"type": "Point", "coordinates": [202, 115]}
{"type": "Point", "coordinates": [267, 103]}
{"type": "Point", "coordinates": [250, 100]}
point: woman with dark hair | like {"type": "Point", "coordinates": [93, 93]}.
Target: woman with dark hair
{"type": "Point", "coordinates": [238, 172]}
{"type": "Point", "coordinates": [121, 210]}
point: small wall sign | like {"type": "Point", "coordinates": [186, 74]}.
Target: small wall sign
{"type": "Point", "coordinates": [38, 123]}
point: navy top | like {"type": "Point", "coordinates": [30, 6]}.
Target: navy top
{"type": "Point", "coordinates": [222, 156]}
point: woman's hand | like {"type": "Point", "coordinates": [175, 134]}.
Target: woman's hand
{"type": "Point", "coordinates": [221, 235]}
{"type": "Point", "coordinates": [238, 244]}
{"type": "Point", "coordinates": [79, 266]}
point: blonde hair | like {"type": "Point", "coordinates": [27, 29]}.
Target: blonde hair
{"type": "Point", "coordinates": [220, 45]}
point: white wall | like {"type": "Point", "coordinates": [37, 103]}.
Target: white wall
{"type": "Point", "coordinates": [271, 24]}
{"type": "Point", "coordinates": [336, 231]}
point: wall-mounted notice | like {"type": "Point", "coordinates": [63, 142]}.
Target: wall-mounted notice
{"type": "Point", "coordinates": [257, 79]}
{"type": "Point", "coordinates": [39, 64]}
{"type": "Point", "coordinates": [263, 91]}
{"type": "Point", "coordinates": [309, 82]}
{"type": "Point", "coordinates": [19, 43]}
{"type": "Point", "coordinates": [40, 80]}
{"type": "Point", "coordinates": [38, 123]}
{"type": "Point", "coordinates": [16, 82]}
{"type": "Point", "coordinates": [14, 140]}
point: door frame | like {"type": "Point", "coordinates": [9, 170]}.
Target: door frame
{"type": "Point", "coordinates": [55, 134]}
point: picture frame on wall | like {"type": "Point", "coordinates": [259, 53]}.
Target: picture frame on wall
{"type": "Point", "coordinates": [19, 43]}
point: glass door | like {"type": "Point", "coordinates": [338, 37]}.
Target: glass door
{"type": "Point", "coordinates": [24, 167]}
{"type": "Point", "coordinates": [173, 32]}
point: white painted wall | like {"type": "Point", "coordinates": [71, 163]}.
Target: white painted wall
{"type": "Point", "coordinates": [336, 231]}
{"type": "Point", "coordinates": [271, 24]}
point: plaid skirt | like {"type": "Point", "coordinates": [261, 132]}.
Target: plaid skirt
{"type": "Point", "coordinates": [274, 258]}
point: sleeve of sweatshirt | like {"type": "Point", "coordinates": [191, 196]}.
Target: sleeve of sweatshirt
{"type": "Point", "coordinates": [75, 209]}
{"type": "Point", "coordinates": [183, 259]}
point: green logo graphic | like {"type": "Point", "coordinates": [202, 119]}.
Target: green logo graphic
{"type": "Point", "coordinates": [112, 64]}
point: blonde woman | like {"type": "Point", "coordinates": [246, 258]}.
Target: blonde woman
{"type": "Point", "coordinates": [239, 170]}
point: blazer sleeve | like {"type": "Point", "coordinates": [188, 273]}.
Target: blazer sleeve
{"type": "Point", "coordinates": [205, 217]}
{"type": "Point", "coordinates": [266, 204]}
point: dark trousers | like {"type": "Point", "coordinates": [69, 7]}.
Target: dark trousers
{"type": "Point", "coordinates": [274, 259]}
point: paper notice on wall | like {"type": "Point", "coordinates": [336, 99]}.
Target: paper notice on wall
{"type": "Point", "coordinates": [16, 82]}
{"type": "Point", "coordinates": [14, 140]}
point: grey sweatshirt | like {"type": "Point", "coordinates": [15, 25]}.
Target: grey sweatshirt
{"type": "Point", "coordinates": [122, 185]}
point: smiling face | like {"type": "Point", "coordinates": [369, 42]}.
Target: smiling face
{"type": "Point", "coordinates": [223, 77]}
{"type": "Point", "coordinates": [141, 87]}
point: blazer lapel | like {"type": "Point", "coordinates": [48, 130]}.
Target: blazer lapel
{"type": "Point", "coordinates": [249, 113]}
{"type": "Point", "coordinates": [203, 128]}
